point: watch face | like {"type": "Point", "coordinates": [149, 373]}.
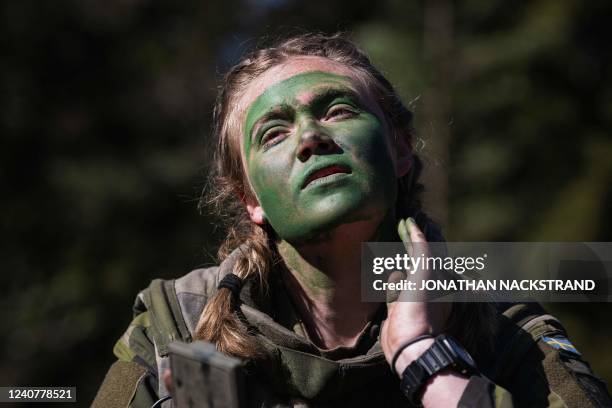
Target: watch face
{"type": "Point", "coordinates": [460, 351]}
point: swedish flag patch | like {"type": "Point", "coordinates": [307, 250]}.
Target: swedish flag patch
{"type": "Point", "coordinates": [560, 343]}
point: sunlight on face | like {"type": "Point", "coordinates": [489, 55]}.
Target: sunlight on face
{"type": "Point", "coordinates": [316, 149]}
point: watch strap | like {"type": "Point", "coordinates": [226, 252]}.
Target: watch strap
{"type": "Point", "coordinates": [415, 376]}
{"type": "Point", "coordinates": [435, 359]}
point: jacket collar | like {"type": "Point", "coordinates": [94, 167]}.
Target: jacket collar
{"type": "Point", "coordinates": [292, 364]}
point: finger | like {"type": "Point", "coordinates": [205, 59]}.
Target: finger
{"type": "Point", "coordinates": [394, 277]}
{"type": "Point", "coordinates": [416, 235]}
{"type": "Point", "coordinates": [404, 234]}
{"type": "Point", "coordinates": [419, 242]}
{"type": "Point", "coordinates": [167, 377]}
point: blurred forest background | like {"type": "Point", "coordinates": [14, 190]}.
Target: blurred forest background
{"type": "Point", "coordinates": [105, 119]}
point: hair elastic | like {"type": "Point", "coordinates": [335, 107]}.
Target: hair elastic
{"type": "Point", "coordinates": [403, 346]}
{"type": "Point", "coordinates": [231, 282]}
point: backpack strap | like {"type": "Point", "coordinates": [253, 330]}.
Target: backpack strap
{"type": "Point", "coordinates": [166, 317]}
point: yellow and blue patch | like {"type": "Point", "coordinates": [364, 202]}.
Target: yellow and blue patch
{"type": "Point", "coordinates": [560, 343]}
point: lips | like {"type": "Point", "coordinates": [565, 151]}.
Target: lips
{"type": "Point", "coordinates": [326, 171]}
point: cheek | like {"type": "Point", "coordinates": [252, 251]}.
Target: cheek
{"type": "Point", "coordinates": [367, 141]}
{"type": "Point", "coordinates": [269, 177]}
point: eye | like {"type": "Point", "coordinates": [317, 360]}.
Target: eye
{"type": "Point", "coordinates": [273, 136]}
{"type": "Point", "coordinates": [340, 111]}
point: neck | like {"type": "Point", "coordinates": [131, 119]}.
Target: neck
{"type": "Point", "coordinates": [324, 281]}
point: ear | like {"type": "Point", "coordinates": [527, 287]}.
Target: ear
{"type": "Point", "coordinates": [403, 151]}
{"type": "Point", "coordinates": [256, 214]}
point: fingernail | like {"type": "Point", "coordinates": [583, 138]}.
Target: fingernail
{"type": "Point", "coordinates": [411, 220]}
{"type": "Point", "coordinates": [400, 226]}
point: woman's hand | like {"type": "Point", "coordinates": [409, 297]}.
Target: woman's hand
{"type": "Point", "coordinates": [409, 319]}
{"type": "Point", "coordinates": [167, 378]}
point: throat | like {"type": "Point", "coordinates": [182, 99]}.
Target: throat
{"type": "Point", "coordinates": [323, 281]}
{"type": "Point", "coordinates": [328, 304]}
{"type": "Point", "coordinates": [329, 321]}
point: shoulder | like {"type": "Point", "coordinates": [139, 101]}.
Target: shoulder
{"type": "Point", "coordinates": [165, 311]}
{"type": "Point", "coordinates": [538, 364]}
{"type": "Point", "coordinates": [169, 310]}
{"type": "Point", "coordinates": [193, 291]}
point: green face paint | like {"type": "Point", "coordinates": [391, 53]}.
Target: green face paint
{"type": "Point", "coordinates": [316, 156]}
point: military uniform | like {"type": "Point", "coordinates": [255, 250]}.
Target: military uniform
{"type": "Point", "coordinates": [533, 364]}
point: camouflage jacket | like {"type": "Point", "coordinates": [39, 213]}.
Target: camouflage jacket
{"type": "Point", "coordinates": [531, 365]}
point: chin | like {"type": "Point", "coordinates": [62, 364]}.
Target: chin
{"type": "Point", "coordinates": [326, 218]}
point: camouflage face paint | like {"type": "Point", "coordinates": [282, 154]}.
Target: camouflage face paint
{"type": "Point", "coordinates": [363, 182]}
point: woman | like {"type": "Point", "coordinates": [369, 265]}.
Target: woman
{"type": "Point", "coordinates": [315, 156]}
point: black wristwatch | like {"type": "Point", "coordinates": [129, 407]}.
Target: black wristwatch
{"type": "Point", "coordinates": [444, 353]}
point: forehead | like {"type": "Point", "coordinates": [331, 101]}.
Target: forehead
{"type": "Point", "coordinates": [299, 90]}
{"type": "Point", "coordinates": [289, 69]}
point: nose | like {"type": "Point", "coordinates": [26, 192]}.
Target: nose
{"type": "Point", "coordinates": [314, 141]}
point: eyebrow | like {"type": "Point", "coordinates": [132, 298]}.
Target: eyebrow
{"type": "Point", "coordinates": [286, 111]}
{"type": "Point", "coordinates": [329, 94]}
{"type": "Point", "coordinates": [283, 111]}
